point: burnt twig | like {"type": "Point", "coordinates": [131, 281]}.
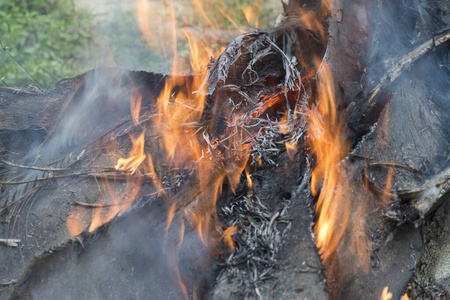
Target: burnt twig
{"type": "Point", "coordinates": [419, 202]}
{"type": "Point", "coordinates": [373, 162]}
{"type": "Point", "coordinates": [8, 283]}
{"type": "Point", "coordinates": [402, 63]}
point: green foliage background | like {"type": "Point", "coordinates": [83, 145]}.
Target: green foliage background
{"type": "Point", "coordinates": [48, 37]}
{"type": "Point", "coordinates": [55, 39]}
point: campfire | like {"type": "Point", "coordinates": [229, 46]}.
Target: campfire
{"type": "Point", "coordinates": [305, 161]}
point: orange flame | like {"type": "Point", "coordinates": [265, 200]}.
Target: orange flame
{"type": "Point", "coordinates": [136, 156]}
{"type": "Point", "coordinates": [181, 141]}
{"type": "Point", "coordinates": [74, 221]}
{"type": "Point", "coordinates": [389, 181]}
{"type": "Point", "coordinates": [251, 13]}
{"type": "Point", "coordinates": [340, 223]}
{"type": "Point", "coordinates": [249, 180]}
{"type": "Point", "coordinates": [177, 115]}
{"type": "Point", "coordinates": [227, 236]}
{"type": "Point", "coordinates": [326, 142]}
{"type": "Point", "coordinates": [291, 149]}
{"type": "Point", "coordinates": [386, 295]}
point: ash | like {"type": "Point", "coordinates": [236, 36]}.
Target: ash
{"type": "Point", "coordinates": [258, 239]}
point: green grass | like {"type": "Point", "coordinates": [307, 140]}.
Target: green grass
{"type": "Point", "coordinates": [47, 37]}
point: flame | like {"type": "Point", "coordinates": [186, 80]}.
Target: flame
{"type": "Point", "coordinates": [386, 295]}
{"type": "Point", "coordinates": [136, 156]}
{"type": "Point", "coordinates": [233, 22]}
{"type": "Point", "coordinates": [74, 221]}
{"type": "Point", "coordinates": [388, 187]}
{"type": "Point", "coordinates": [182, 141]}
{"type": "Point", "coordinates": [405, 297]}
{"type": "Point", "coordinates": [110, 205]}
{"type": "Point", "coordinates": [156, 39]}
{"type": "Point", "coordinates": [340, 215]}
{"type": "Point", "coordinates": [227, 236]}
{"type": "Point", "coordinates": [291, 149]}
{"type": "Point", "coordinates": [328, 145]}
{"type": "Point", "coordinates": [249, 180]}
{"type": "Point", "coordinates": [251, 13]}
{"type": "Point", "coordinates": [176, 120]}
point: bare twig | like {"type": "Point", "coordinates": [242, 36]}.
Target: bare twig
{"type": "Point", "coordinates": [10, 242]}
{"type": "Point", "coordinates": [100, 205]}
{"type": "Point", "coordinates": [3, 81]}
{"type": "Point", "coordinates": [421, 201]}
{"type": "Point", "coordinates": [97, 175]}
{"type": "Point", "coordinates": [8, 283]}
{"type": "Point", "coordinates": [25, 69]}
{"type": "Point", "coordinates": [373, 162]}
{"type": "Point", "coordinates": [400, 64]}
{"type": "Point", "coordinates": [53, 169]}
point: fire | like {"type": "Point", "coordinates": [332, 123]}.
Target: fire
{"type": "Point", "coordinates": [249, 179]}
{"type": "Point", "coordinates": [328, 145]}
{"type": "Point", "coordinates": [136, 156]}
{"type": "Point", "coordinates": [386, 295]}
{"type": "Point", "coordinates": [184, 142]}
{"type": "Point", "coordinates": [251, 13]}
{"type": "Point", "coordinates": [291, 149]}
{"type": "Point", "coordinates": [74, 222]}
{"type": "Point", "coordinates": [340, 214]}
{"type": "Point", "coordinates": [226, 236]}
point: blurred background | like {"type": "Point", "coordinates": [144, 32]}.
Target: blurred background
{"type": "Point", "coordinates": [56, 39]}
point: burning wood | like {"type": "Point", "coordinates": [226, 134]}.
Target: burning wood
{"type": "Point", "coordinates": [227, 170]}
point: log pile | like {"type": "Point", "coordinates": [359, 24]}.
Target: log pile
{"type": "Point", "coordinates": [390, 66]}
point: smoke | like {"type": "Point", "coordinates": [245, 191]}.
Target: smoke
{"type": "Point", "coordinates": [123, 260]}
{"type": "Point", "coordinates": [396, 29]}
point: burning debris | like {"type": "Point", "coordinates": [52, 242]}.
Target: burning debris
{"type": "Point", "coordinates": [308, 153]}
